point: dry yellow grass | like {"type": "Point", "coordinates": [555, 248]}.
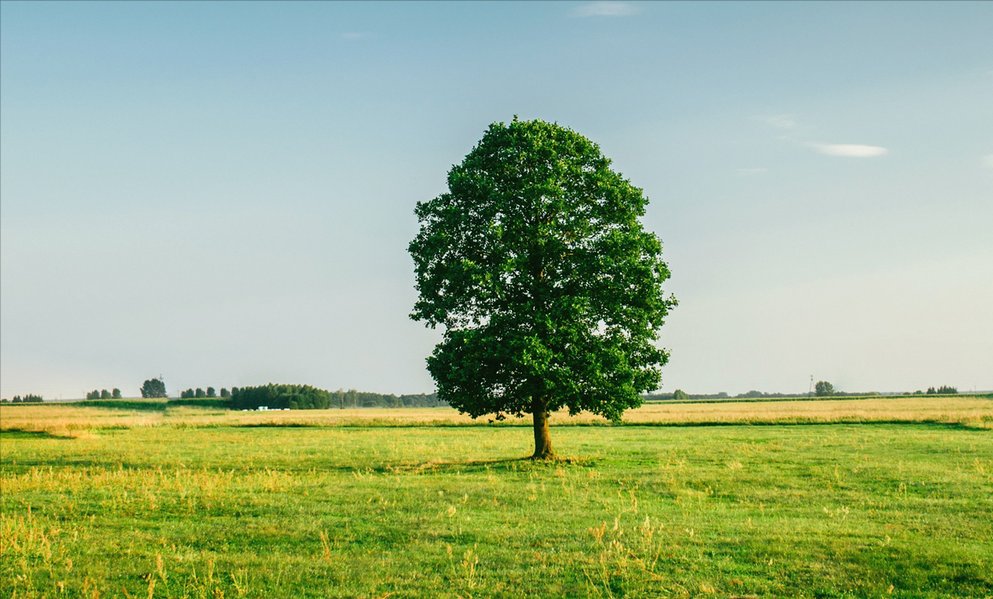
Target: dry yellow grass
{"type": "Point", "coordinates": [76, 420]}
{"type": "Point", "coordinates": [964, 410]}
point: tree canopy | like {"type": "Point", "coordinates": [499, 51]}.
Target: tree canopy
{"type": "Point", "coordinates": [549, 290]}
{"type": "Point", "coordinates": [153, 388]}
{"type": "Point", "coordinates": [823, 389]}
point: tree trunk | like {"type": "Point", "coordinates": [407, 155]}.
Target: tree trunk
{"type": "Point", "coordinates": [542, 439]}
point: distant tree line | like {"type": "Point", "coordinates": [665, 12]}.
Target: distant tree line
{"type": "Point", "coordinates": [294, 397]}
{"type": "Point", "coordinates": [821, 389]}
{"type": "Point", "coordinates": [104, 394]}
{"type": "Point", "coordinates": [29, 398]}
{"type": "Point", "coordinates": [680, 394]}
{"type": "Point", "coordinates": [365, 399]}
{"type": "Point", "coordinates": [942, 390]}
{"type": "Point", "coordinates": [210, 392]}
{"type": "Point", "coordinates": [306, 397]}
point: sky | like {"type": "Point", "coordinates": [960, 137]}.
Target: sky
{"type": "Point", "coordinates": [222, 193]}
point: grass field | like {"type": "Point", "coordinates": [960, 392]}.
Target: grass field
{"type": "Point", "coordinates": [877, 497]}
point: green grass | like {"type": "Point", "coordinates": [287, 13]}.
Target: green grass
{"type": "Point", "coordinates": [900, 510]}
{"type": "Point", "coordinates": [141, 405]}
{"type": "Point", "coordinates": [153, 405]}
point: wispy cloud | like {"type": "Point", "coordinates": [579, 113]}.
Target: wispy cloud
{"type": "Point", "coordinates": [606, 9]}
{"type": "Point", "coordinates": [791, 132]}
{"type": "Point", "coordinates": [850, 150]}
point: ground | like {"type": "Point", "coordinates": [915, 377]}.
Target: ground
{"type": "Point", "coordinates": [206, 503]}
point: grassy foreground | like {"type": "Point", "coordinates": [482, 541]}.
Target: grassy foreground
{"type": "Point", "coordinates": [209, 506]}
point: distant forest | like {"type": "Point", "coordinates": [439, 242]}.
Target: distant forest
{"type": "Point", "coordinates": [306, 397]}
{"type": "Point", "coordinates": [679, 395]}
{"type": "Point", "coordinates": [365, 399]}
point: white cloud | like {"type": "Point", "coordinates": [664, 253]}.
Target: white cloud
{"type": "Point", "coordinates": [850, 150]}
{"type": "Point", "coordinates": [606, 9]}
{"type": "Point", "coordinates": [747, 172]}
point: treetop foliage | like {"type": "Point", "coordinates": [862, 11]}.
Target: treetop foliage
{"type": "Point", "coordinates": [153, 388]}
{"type": "Point", "coordinates": [28, 398]}
{"type": "Point", "coordinates": [104, 394]}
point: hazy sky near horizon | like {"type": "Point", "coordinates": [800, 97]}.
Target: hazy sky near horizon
{"type": "Point", "coordinates": [223, 193]}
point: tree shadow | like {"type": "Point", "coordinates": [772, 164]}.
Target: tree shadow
{"type": "Point", "coordinates": [509, 465]}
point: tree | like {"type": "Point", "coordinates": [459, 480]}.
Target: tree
{"type": "Point", "coordinates": [225, 392]}
{"type": "Point", "coordinates": [153, 388]}
{"type": "Point", "coordinates": [199, 393]}
{"type": "Point", "coordinates": [93, 394]}
{"type": "Point", "coordinates": [116, 393]}
{"type": "Point", "coordinates": [104, 394]}
{"type": "Point", "coordinates": [549, 290]}
{"type": "Point", "coordinates": [823, 389]}
{"type": "Point", "coordinates": [680, 394]}
{"type": "Point", "coordinates": [211, 392]}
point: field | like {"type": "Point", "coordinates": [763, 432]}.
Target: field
{"type": "Point", "coordinates": [875, 497]}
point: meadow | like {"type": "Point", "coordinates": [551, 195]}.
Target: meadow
{"type": "Point", "coordinates": [870, 497]}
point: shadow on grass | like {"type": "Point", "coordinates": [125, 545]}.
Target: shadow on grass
{"type": "Point", "coordinates": [123, 404]}
{"type": "Point", "coordinates": [17, 433]}
{"type": "Point", "coordinates": [521, 464]}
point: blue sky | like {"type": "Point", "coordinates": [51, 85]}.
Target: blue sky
{"type": "Point", "coordinates": [223, 193]}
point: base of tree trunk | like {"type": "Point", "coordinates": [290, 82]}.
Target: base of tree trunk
{"type": "Point", "coordinates": [548, 455]}
{"type": "Point", "coordinates": [542, 438]}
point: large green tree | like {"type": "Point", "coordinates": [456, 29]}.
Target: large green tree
{"type": "Point", "coordinates": [548, 288]}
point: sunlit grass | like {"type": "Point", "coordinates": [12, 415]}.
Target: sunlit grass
{"type": "Point", "coordinates": [190, 503]}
